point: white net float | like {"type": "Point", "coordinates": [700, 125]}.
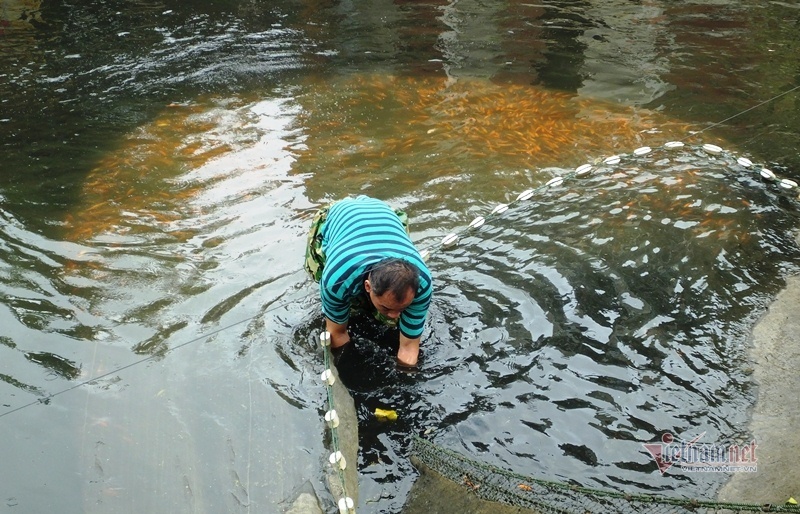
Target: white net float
{"type": "Point", "coordinates": [332, 418]}
{"type": "Point", "coordinates": [555, 181]}
{"type": "Point", "coordinates": [500, 209]}
{"type": "Point", "coordinates": [424, 254]}
{"type": "Point", "coordinates": [744, 161]}
{"type": "Point", "coordinates": [449, 239]}
{"type": "Point", "coordinates": [337, 460]}
{"type": "Point", "coordinates": [328, 377]}
{"type": "Point", "coordinates": [346, 506]}
{"type": "Point", "coordinates": [673, 144]}
{"type": "Point", "coordinates": [582, 170]}
{"type": "Point", "coordinates": [644, 150]}
{"type": "Point", "coordinates": [525, 195]}
{"type": "Point", "coordinates": [767, 174]}
{"type": "Point", "coordinates": [614, 159]}
{"type": "Point", "coordinates": [788, 184]}
{"type": "Point", "coordinates": [712, 149]}
{"type": "Point", "coordinates": [325, 338]}
{"type": "Point", "coordinates": [477, 222]}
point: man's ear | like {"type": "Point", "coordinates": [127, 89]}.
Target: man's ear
{"type": "Point", "coordinates": [367, 286]}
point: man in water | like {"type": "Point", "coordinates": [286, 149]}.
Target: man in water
{"type": "Point", "coordinates": [360, 253]}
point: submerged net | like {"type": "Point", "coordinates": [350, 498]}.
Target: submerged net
{"type": "Point", "coordinates": [496, 484]}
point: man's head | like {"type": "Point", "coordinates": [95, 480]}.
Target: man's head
{"type": "Point", "coordinates": [391, 286]}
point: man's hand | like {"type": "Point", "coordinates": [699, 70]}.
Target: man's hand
{"type": "Point", "coordinates": [408, 353]}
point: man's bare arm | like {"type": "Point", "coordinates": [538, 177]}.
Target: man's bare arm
{"type": "Point", "coordinates": [408, 353]}
{"type": "Point", "coordinates": [338, 332]}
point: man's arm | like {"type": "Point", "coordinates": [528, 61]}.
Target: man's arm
{"type": "Point", "coordinates": [338, 332]}
{"type": "Point", "coordinates": [408, 353]}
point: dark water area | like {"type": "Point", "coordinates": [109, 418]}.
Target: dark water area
{"type": "Point", "coordinates": [162, 160]}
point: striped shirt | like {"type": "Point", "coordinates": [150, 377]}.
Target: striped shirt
{"type": "Point", "coordinates": [357, 234]}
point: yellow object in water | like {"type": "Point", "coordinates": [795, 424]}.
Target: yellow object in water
{"type": "Point", "coordinates": [791, 501]}
{"type": "Point", "coordinates": [386, 415]}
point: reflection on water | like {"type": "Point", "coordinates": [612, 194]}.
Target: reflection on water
{"type": "Point", "coordinates": [179, 197]}
{"type": "Point", "coordinates": [139, 184]}
{"type": "Point", "coordinates": [157, 196]}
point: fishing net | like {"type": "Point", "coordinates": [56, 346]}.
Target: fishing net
{"type": "Point", "coordinates": [495, 484]}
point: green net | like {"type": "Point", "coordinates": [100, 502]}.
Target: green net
{"type": "Point", "coordinates": [495, 484]}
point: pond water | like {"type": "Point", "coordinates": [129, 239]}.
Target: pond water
{"type": "Point", "coordinates": [161, 163]}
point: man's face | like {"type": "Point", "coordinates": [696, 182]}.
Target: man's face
{"type": "Point", "coordinates": [388, 304]}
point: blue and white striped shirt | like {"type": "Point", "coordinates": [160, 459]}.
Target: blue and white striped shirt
{"type": "Point", "coordinates": [358, 233]}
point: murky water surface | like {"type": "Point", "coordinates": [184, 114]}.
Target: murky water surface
{"type": "Point", "coordinates": [160, 166]}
